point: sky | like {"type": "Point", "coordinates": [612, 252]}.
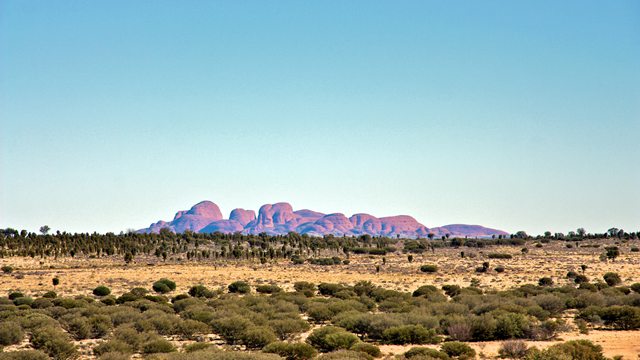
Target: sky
{"type": "Point", "coordinates": [517, 115]}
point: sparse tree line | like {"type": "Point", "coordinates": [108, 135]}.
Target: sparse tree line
{"type": "Point", "coordinates": [345, 321]}
{"type": "Point", "coordinates": [190, 246]}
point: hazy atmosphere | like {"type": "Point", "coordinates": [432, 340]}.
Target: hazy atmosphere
{"type": "Point", "coordinates": [514, 115]}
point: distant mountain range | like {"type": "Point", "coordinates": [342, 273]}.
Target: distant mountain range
{"type": "Point", "coordinates": [274, 219]}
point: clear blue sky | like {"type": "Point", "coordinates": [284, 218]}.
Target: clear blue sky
{"type": "Point", "coordinates": [520, 115]}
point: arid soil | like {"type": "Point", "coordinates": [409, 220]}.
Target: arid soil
{"type": "Point", "coordinates": [81, 275]}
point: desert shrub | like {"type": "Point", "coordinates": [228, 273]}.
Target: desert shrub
{"type": "Point", "coordinates": [458, 350]}
{"type": "Point", "coordinates": [328, 289]}
{"type": "Point", "coordinates": [198, 346]}
{"type": "Point", "coordinates": [326, 261]}
{"type": "Point", "coordinates": [451, 290]}
{"type": "Point", "coordinates": [41, 303]}
{"type": "Point", "coordinates": [14, 295]}
{"type": "Point", "coordinates": [581, 279]}
{"type": "Point", "coordinates": [7, 269]}
{"type": "Point", "coordinates": [345, 355]}
{"type": "Point", "coordinates": [25, 300]}
{"type": "Point", "coordinates": [50, 295]}
{"type": "Point", "coordinates": [499, 269]}
{"type": "Point", "coordinates": [319, 312]}
{"type": "Point", "coordinates": [499, 256]}
{"type": "Point", "coordinates": [53, 342]}
{"type": "Point", "coordinates": [331, 338]}
{"type": "Point", "coordinates": [201, 291]}
{"type": "Point", "coordinates": [511, 326]}
{"type": "Point", "coordinates": [367, 348]}
{"type": "Point", "coordinates": [268, 289]}
{"type": "Point", "coordinates": [425, 290]}
{"type": "Point", "coordinates": [429, 268]}
{"type": "Point", "coordinates": [188, 328]}
{"type": "Point", "coordinates": [550, 303]}
{"type": "Point", "coordinates": [157, 345]}
{"type": "Point", "coordinates": [79, 328]}
{"type": "Point", "coordinates": [101, 291]}
{"type": "Point", "coordinates": [612, 279]}
{"type": "Point", "coordinates": [128, 335]}
{"type": "Point", "coordinates": [257, 337]}
{"type": "Point", "coordinates": [284, 328]}
{"type": "Point", "coordinates": [24, 355]}
{"type": "Point", "coordinates": [239, 287]}
{"type": "Point", "coordinates": [513, 349]}
{"type": "Point", "coordinates": [304, 287]}
{"type": "Point", "coordinates": [10, 333]}
{"type": "Point", "coordinates": [111, 346]}
{"type": "Point", "coordinates": [291, 351]}
{"type": "Point", "coordinates": [575, 350]}
{"type": "Point", "coordinates": [423, 352]}
{"type": "Point", "coordinates": [179, 297]}
{"type": "Point", "coordinates": [621, 317]}
{"type": "Point", "coordinates": [231, 328]}
{"type": "Point", "coordinates": [128, 296]}
{"type": "Point", "coordinates": [108, 300]}
{"type": "Point", "coordinates": [545, 281]}
{"type": "Point", "coordinates": [161, 286]}
{"type": "Point", "coordinates": [296, 260]}
{"type": "Point", "coordinates": [410, 334]}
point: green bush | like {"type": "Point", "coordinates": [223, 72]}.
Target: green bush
{"type": "Point", "coordinates": [458, 350]}
{"type": "Point", "coordinates": [10, 333]}
{"type": "Point", "coordinates": [429, 268]}
{"type": "Point", "coordinates": [268, 289]}
{"type": "Point", "coordinates": [367, 349]}
{"type": "Point", "coordinates": [451, 290]}
{"type": "Point", "coordinates": [329, 289]}
{"type": "Point", "coordinates": [188, 328]}
{"type": "Point", "coordinates": [545, 281]}
{"type": "Point", "coordinates": [240, 287]}
{"type": "Point", "coordinates": [101, 291]}
{"type": "Point", "coordinates": [284, 328]}
{"type": "Point", "coordinates": [110, 346]}
{"type": "Point", "coordinates": [7, 269]}
{"type": "Point", "coordinates": [331, 338]}
{"type": "Point", "coordinates": [201, 291]}
{"type": "Point", "coordinates": [257, 337]}
{"type": "Point", "coordinates": [575, 350]}
{"type": "Point", "coordinates": [428, 353]}
{"type": "Point", "coordinates": [50, 295]}
{"type": "Point", "coordinates": [16, 294]}
{"type": "Point", "coordinates": [291, 351]}
{"type": "Point", "coordinates": [161, 286]}
{"type": "Point", "coordinates": [231, 328]}
{"type": "Point", "coordinates": [410, 334]}
{"type": "Point", "coordinates": [304, 287]}
{"type": "Point", "coordinates": [158, 346]}
{"type": "Point", "coordinates": [612, 279]}
{"type": "Point", "coordinates": [53, 342]}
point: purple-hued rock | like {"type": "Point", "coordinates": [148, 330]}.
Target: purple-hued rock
{"type": "Point", "coordinates": [280, 218]}
{"type": "Point", "coordinates": [242, 216]}
{"type": "Point", "coordinates": [466, 230]}
{"type": "Point", "coordinates": [223, 226]}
